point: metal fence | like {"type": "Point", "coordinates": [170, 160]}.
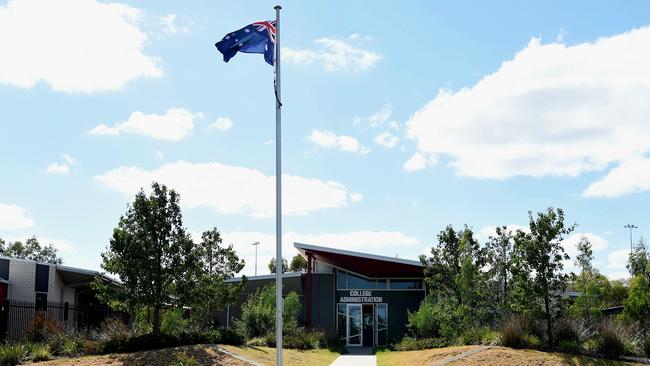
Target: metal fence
{"type": "Point", "coordinates": [16, 317]}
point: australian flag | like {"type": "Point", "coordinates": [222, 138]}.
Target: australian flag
{"type": "Point", "coordinates": [258, 37]}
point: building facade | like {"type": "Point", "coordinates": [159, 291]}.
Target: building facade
{"type": "Point", "coordinates": [61, 292]}
{"type": "Point", "coordinates": [363, 299]}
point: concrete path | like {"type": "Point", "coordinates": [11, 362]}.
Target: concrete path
{"type": "Point", "coordinates": [461, 356]}
{"type": "Point", "coordinates": [356, 356]}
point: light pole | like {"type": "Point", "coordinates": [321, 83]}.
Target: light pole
{"type": "Point", "coordinates": [630, 226]}
{"type": "Point", "coordinates": [255, 245]}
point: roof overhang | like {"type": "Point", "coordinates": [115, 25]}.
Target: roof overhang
{"type": "Point", "coordinates": [80, 278]}
{"type": "Point", "coordinates": [369, 265]}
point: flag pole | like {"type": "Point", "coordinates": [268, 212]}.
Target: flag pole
{"type": "Point", "coordinates": [278, 195]}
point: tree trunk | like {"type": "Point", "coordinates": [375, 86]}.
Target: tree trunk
{"type": "Point", "coordinates": [549, 321]}
{"type": "Point", "coordinates": [156, 320]}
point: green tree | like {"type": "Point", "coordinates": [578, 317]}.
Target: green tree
{"type": "Point", "coordinates": [540, 255]}
{"type": "Point", "coordinates": [31, 250]}
{"type": "Point", "coordinates": [637, 305]}
{"type": "Point", "coordinates": [285, 265]}
{"type": "Point", "coordinates": [500, 257]}
{"type": "Point", "coordinates": [298, 263]}
{"type": "Point", "coordinates": [209, 292]}
{"type": "Point", "coordinates": [149, 251]}
{"type": "Point", "coordinates": [258, 312]}
{"type": "Point", "coordinates": [639, 260]}
{"type": "Point", "coordinates": [453, 269]}
{"type": "Point", "coordinates": [585, 255]}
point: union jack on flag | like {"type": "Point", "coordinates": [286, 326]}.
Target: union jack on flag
{"type": "Point", "coordinates": [258, 37]}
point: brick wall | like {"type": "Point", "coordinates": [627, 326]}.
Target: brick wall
{"type": "Point", "coordinates": [22, 275]}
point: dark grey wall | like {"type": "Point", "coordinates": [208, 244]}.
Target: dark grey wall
{"type": "Point", "coordinates": [323, 310]}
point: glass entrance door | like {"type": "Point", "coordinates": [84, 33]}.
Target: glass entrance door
{"type": "Point", "coordinates": [354, 325]}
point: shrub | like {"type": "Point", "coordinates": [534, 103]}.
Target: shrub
{"type": "Point", "coordinates": [415, 344]}
{"type": "Point", "coordinates": [645, 346]}
{"type": "Point", "coordinates": [42, 327]}
{"type": "Point", "coordinates": [173, 322]}
{"type": "Point", "coordinates": [12, 354]}
{"type": "Point", "coordinates": [228, 336]}
{"type": "Point", "coordinates": [257, 342]}
{"type": "Point", "coordinates": [513, 333]}
{"type": "Point", "coordinates": [40, 352]}
{"type": "Point", "coordinates": [139, 343]}
{"type": "Point", "coordinates": [90, 347]}
{"type": "Point", "coordinates": [532, 341]}
{"type": "Point", "coordinates": [113, 328]}
{"type": "Point", "coordinates": [569, 346]}
{"type": "Point", "coordinates": [302, 339]}
{"type": "Point", "coordinates": [610, 340]}
{"type": "Point", "coordinates": [440, 319]}
{"type": "Point", "coordinates": [183, 359]}
{"type": "Point", "coordinates": [71, 347]}
{"type": "Point", "coordinates": [479, 335]}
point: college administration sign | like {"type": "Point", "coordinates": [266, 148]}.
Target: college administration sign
{"type": "Point", "coordinates": [364, 296]}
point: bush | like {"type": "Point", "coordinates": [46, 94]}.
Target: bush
{"type": "Point", "coordinates": [40, 352]}
{"type": "Point", "coordinates": [440, 319]}
{"type": "Point", "coordinates": [302, 339]}
{"type": "Point", "coordinates": [513, 333]}
{"type": "Point", "coordinates": [173, 322]}
{"type": "Point", "coordinates": [113, 328]}
{"type": "Point", "coordinates": [610, 340]}
{"type": "Point", "coordinates": [139, 343]}
{"type": "Point", "coordinates": [257, 342]}
{"type": "Point", "coordinates": [183, 359]}
{"type": "Point", "coordinates": [479, 335]}
{"type": "Point", "coordinates": [42, 327]}
{"type": "Point", "coordinates": [12, 354]}
{"type": "Point", "coordinates": [569, 346]}
{"type": "Point", "coordinates": [645, 346]}
{"type": "Point", "coordinates": [415, 344]}
{"type": "Point", "coordinates": [532, 342]}
{"type": "Point", "coordinates": [571, 329]}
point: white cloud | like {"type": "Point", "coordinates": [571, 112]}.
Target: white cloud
{"type": "Point", "coordinates": [356, 197]}
{"type": "Point", "coordinates": [418, 162]}
{"type": "Point", "coordinates": [553, 110]}
{"type": "Point", "coordinates": [334, 55]}
{"type": "Point", "coordinates": [561, 35]}
{"type": "Point", "coordinates": [174, 125]}
{"type": "Point", "coordinates": [378, 118]}
{"type": "Point", "coordinates": [75, 46]}
{"type": "Point", "coordinates": [14, 217]}
{"type": "Point", "coordinates": [619, 275]}
{"type": "Point", "coordinates": [56, 168]}
{"type": "Point", "coordinates": [630, 176]}
{"type": "Point", "coordinates": [330, 140]}
{"type": "Point", "coordinates": [618, 258]}
{"type": "Point", "coordinates": [598, 243]}
{"type": "Point", "coordinates": [375, 242]}
{"type": "Point", "coordinates": [169, 25]}
{"type": "Point", "coordinates": [62, 168]}
{"type": "Point", "coordinates": [221, 124]}
{"type": "Point", "coordinates": [160, 155]}
{"type": "Point", "coordinates": [230, 189]}
{"type": "Point", "coordinates": [386, 139]}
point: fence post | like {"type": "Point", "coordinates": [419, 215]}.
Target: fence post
{"type": "Point", "coordinates": [65, 311]}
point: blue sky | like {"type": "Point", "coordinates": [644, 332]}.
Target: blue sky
{"type": "Point", "coordinates": [399, 118]}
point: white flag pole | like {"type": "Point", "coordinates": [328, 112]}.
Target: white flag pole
{"type": "Point", "coordinates": [278, 195]}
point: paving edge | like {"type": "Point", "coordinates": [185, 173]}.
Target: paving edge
{"type": "Point", "coordinates": [461, 356]}
{"type": "Point", "coordinates": [234, 355]}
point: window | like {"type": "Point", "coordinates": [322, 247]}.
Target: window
{"type": "Point", "coordinates": [342, 279]}
{"type": "Point", "coordinates": [382, 324]}
{"type": "Point", "coordinates": [357, 282]}
{"type": "Point", "coordinates": [381, 283]}
{"type": "Point", "coordinates": [341, 320]}
{"type": "Point", "coordinates": [41, 301]}
{"type": "Point", "coordinates": [42, 277]}
{"type": "Point", "coordinates": [405, 284]}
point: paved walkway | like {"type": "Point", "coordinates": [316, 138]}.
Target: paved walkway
{"type": "Point", "coordinates": [461, 356]}
{"type": "Point", "coordinates": [356, 356]}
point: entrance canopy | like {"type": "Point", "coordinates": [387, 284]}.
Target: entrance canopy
{"type": "Point", "coordinates": [369, 265]}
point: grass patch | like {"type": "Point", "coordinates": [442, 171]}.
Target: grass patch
{"type": "Point", "coordinates": [290, 357]}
